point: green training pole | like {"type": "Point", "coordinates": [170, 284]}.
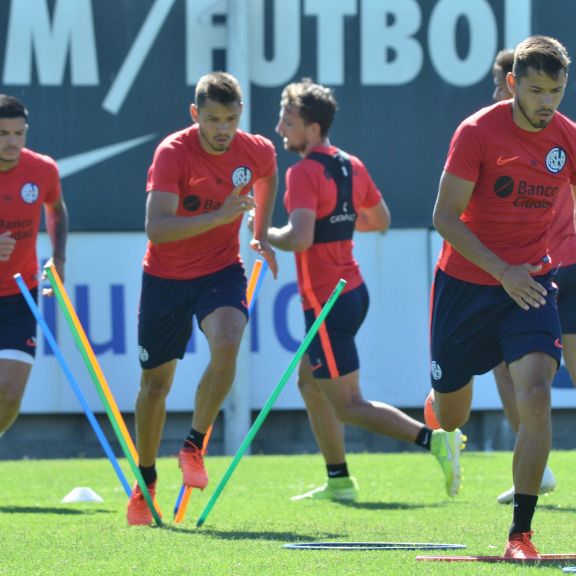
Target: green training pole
{"type": "Point", "coordinates": [270, 402]}
{"type": "Point", "coordinates": [90, 360]}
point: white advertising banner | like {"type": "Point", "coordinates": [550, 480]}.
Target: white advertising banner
{"type": "Point", "coordinates": [103, 282]}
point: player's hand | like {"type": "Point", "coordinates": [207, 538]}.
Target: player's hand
{"type": "Point", "coordinates": [7, 245]}
{"type": "Point", "coordinates": [235, 205]}
{"type": "Point", "coordinates": [267, 252]}
{"type": "Point", "coordinates": [59, 265]}
{"type": "Point", "coordinates": [522, 288]}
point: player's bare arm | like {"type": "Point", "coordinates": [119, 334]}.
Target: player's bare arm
{"type": "Point", "coordinates": [298, 234]}
{"type": "Point", "coordinates": [373, 219]}
{"type": "Point", "coordinates": [265, 196]}
{"type": "Point", "coordinates": [163, 225]}
{"type": "Point", "coordinates": [453, 196]}
{"type": "Point", "coordinates": [57, 227]}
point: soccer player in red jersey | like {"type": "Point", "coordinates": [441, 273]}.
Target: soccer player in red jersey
{"type": "Point", "coordinates": [28, 182]}
{"type": "Point", "coordinates": [563, 252]}
{"type": "Point", "coordinates": [198, 189]}
{"type": "Point", "coordinates": [494, 298]}
{"type": "Point", "coordinates": [329, 196]}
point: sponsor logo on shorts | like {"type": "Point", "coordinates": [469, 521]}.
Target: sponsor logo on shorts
{"type": "Point", "coordinates": [558, 344]}
{"type": "Point", "coordinates": [316, 366]}
{"type": "Point", "coordinates": [31, 342]}
{"type": "Point", "coordinates": [436, 371]}
{"type": "Point", "coordinates": [144, 356]}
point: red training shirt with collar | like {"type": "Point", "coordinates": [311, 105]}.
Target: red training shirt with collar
{"type": "Point", "coordinates": [24, 189]}
{"type": "Point", "coordinates": [321, 266]}
{"type": "Point", "coordinates": [519, 177]}
{"type": "Point", "coordinates": [203, 181]}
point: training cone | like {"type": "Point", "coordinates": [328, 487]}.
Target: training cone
{"type": "Point", "coordinates": [81, 494]}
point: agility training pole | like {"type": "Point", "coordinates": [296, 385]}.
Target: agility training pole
{"type": "Point", "coordinates": [272, 398]}
{"type": "Point", "coordinates": [101, 385]}
{"type": "Point", "coordinates": [54, 345]}
{"type": "Point", "coordinates": [252, 291]}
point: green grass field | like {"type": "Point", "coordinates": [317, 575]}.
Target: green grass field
{"type": "Point", "coordinates": [402, 500]}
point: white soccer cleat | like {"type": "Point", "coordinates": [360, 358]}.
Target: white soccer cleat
{"type": "Point", "coordinates": [547, 485]}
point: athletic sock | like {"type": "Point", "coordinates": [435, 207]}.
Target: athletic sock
{"type": "Point", "coordinates": [194, 437]}
{"type": "Point", "coordinates": [337, 470]}
{"type": "Point", "coordinates": [149, 474]}
{"type": "Point", "coordinates": [524, 507]}
{"type": "Point", "coordinates": [424, 438]}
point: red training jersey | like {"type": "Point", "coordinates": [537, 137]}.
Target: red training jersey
{"type": "Point", "coordinates": [321, 266]}
{"type": "Point", "coordinates": [24, 189]}
{"type": "Point", "coordinates": [519, 176]}
{"type": "Point", "coordinates": [203, 181]}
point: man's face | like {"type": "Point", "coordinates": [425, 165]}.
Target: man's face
{"type": "Point", "coordinates": [293, 130]}
{"type": "Point", "coordinates": [536, 98]}
{"type": "Point", "coordinates": [12, 140]}
{"type": "Point", "coordinates": [217, 124]}
{"type": "Point", "coordinates": [501, 91]}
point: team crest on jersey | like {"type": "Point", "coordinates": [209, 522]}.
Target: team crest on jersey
{"type": "Point", "coordinates": [30, 192]}
{"type": "Point", "coordinates": [555, 159]}
{"type": "Point", "coordinates": [241, 176]}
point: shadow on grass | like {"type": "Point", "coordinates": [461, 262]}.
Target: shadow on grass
{"type": "Point", "coordinates": [43, 510]}
{"type": "Point", "coordinates": [244, 535]}
{"type": "Point", "coordinates": [388, 505]}
{"type": "Point", "coordinates": [555, 508]}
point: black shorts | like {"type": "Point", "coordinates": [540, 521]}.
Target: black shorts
{"type": "Point", "coordinates": [332, 351]}
{"type": "Point", "coordinates": [566, 280]}
{"type": "Point", "coordinates": [17, 328]}
{"type": "Point", "coordinates": [168, 306]}
{"type": "Point", "coordinates": [475, 327]}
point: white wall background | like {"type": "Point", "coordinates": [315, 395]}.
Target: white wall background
{"type": "Point", "coordinates": [393, 342]}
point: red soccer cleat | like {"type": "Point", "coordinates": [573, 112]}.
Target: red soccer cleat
{"type": "Point", "coordinates": [429, 414]}
{"type": "Point", "coordinates": [138, 513]}
{"type": "Point", "coordinates": [191, 461]}
{"type": "Point", "coordinates": [520, 547]}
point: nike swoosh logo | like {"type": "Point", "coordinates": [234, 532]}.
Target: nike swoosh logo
{"type": "Point", "coordinates": [449, 455]}
{"type": "Point", "coordinates": [501, 161]}
{"type": "Point", "coordinates": [74, 164]}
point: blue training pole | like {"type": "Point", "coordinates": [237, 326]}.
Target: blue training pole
{"type": "Point", "coordinates": [52, 341]}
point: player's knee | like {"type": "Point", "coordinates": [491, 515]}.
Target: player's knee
{"type": "Point", "coordinates": [154, 386]}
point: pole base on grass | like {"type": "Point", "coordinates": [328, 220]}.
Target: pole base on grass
{"type": "Point", "coordinates": [372, 546]}
{"type": "Point", "coordinates": [81, 494]}
{"type": "Point", "coordinates": [550, 558]}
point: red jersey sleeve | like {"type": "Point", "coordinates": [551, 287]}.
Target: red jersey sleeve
{"type": "Point", "coordinates": [54, 188]}
{"type": "Point", "coordinates": [166, 169]}
{"type": "Point", "coordinates": [466, 152]}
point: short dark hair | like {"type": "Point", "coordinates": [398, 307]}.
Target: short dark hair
{"type": "Point", "coordinates": [503, 62]}
{"type": "Point", "coordinates": [219, 87]}
{"type": "Point", "coordinates": [314, 102]}
{"type": "Point", "coordinates": [11, 107]}
{"type": "Point", "coordinates": [543, 54]}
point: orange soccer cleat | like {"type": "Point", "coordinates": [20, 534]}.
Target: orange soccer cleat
{"type": "Point", "coordinates": [191, 461]}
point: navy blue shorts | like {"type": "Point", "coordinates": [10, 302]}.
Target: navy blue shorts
{"type": "Point", "coordinates": [17, 328]}
{"type": "Point", "coordinates": [566, 280]}
{"type": "Point", "coordinates": [474, 328]}
{"type": "Point", "coordinates": [332, 351]}
{"type": "Point", "coordinates": [168, 306]}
